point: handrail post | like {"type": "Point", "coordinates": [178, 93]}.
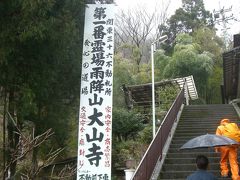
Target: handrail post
{"type": "Point", "coordinates": [186, 92]}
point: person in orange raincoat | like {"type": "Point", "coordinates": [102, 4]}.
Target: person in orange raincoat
{"type": "Point", "coordinates": [227, 153]}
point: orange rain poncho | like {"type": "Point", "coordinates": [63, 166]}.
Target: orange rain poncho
{"type": "Point", "coordinates": [227, 153]}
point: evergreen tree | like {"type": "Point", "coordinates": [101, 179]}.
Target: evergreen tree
{"type": "Point", "coordinates": [40, 60]}
{"type": "Point", "coordinates": [191, 16]}
{"type": "Point", "coordinates": [188, 60]}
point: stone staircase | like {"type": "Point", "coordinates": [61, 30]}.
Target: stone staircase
{"type": "Point", "coordinates": [195, 120]}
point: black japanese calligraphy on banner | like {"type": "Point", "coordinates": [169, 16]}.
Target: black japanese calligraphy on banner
{"type": "Point", "coordinates": [95, 112]}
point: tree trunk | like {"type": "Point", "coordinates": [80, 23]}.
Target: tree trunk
{"type": "Point", "coordinates": [13, 138]}
{"type": "Point", "coordinates": [35, 150]}
{"type": "Point", "coordinates": [34, 162]}
{"type": "Point", "coordinates": [4, 132]}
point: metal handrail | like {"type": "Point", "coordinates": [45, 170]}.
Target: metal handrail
{"type": "Point", "coordinates": [155, 150]}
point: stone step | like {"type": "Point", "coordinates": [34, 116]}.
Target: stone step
{"type": "Point", "coordinates": [199, 128]}
{"type": "Point", "coordinates": [207, 151]}
{"type": "Point", "coordinates": [177, 146]}
{"type": "Point", "coordinates": [214, 118]}
{"type": "Point", "coordinates": [209, 106]}
{"type": "Point", "coordinates": [170, 160]}
{"type": "Point", "coordinates": [186, 138]}
{"type": "Point", "coordinates": [204, 113]}
{"type": "Point", "coordinates": [190, 135]}
{"type": "Point", "coordinates": [201, 131]}
{"type": "Point", "coordinates": [197, 151]}
{"type": "Point", "coordinates": [193, 123]}
{"type": "Point", "coordinates": [183, 174]}
{"type": "Point", "coordinates": [189, 167]}
{"type": "Point", "coordinates": [209, 111]}
{"type": "Point", "coordinates": [206, 119]}
{"type": "Point", "coordinates": [190, 130]}
{"type": "Point", "coordinates": [188, 154]}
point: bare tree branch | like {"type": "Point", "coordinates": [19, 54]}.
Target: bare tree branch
{"type": "Point", "coordinates": [26, 145]}
{"type": "Point", "coordinates": [161, 17]}
{"type": "Point", "coordinates": [136, 27]}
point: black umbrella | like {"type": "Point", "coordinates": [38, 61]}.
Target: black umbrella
{"type": "Point", "coordinates": [208, 140]}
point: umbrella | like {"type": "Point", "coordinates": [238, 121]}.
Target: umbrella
{"type": "Point", "coordinates": [208, 140]}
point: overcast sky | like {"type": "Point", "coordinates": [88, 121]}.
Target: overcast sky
{"type": "Point", "coordinates": [210, 5]}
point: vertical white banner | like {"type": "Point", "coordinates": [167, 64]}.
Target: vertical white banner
{"type": "Point", "coordinates": [95, 113]}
